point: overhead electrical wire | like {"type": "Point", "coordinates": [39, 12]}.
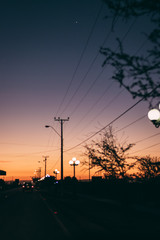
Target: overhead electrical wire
{"type": "Point", "coordinates": [97, 115]}
{"type": "Point", "coordinates": [33, 153]}
{"type": "Point", "coordinates": [154, 135]}
{"type": "Point", "coordinates": [82, 82]}
{"type": "Point", "coordinates": [106, 125]}
{"type": "Point", "coordinates": [114, 120]}
{"type": "Point", "coordinates": [118, 94]}
{"type": "Point", "coordinates": [128, 125]}
{"type": "Point", "coordinates": [21, 144]}
{"type": "Point", "coordinates": [142, 45]}
{"type": "Point", "coordinates": [88, 71]}
{"type": "Point", "coordinates": [81, 56]}
{"type": "Point", "coordinates": [137, 120]}
{"type": "Point", "coordinates": [93, 61]}
{"type": "Point", "coordinates": [102, 95]}
{"type": "Point", "coordinates": [97, 101]}
{"type": "Point", "coordinates": [146, 148]}
{"type": "Point", "coordinates": [49, 168]}
{"type": "Point", "coordinates": [99, 75]}
{"type": "Point", "coordinates": [100, 72]}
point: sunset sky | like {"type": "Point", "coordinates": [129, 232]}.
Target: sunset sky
{"type": "Point", "coordinates": [50, 66]}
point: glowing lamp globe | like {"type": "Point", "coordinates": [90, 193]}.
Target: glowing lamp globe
{"type": "Point", "coordinates": [77, 162]}
{"type": "Point", "coordinates": [70, 162]}
{"type": "Point", "coordinates": [154, 114]}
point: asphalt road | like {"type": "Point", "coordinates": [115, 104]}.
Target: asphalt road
{"type": "Point", "coordinates": [25, 215]}
{"type": "Point", "coordinates": [41, 215]}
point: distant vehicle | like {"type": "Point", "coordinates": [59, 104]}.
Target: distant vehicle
{"type": "Point", "coordinates": [28, 186]}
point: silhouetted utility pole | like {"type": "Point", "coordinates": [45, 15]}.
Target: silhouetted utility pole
{"type": "Point", "coordinates": [39, 172]}
{"type": "Point", "coordinates": [45, 161]}
{"type": "Point", "coordinates": [61, 121]}
{"type": "Point", "coordinates": [89, 169]}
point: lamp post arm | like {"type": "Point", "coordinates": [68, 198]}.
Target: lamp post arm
{"type": "Point", "coordinates": [47, 126]}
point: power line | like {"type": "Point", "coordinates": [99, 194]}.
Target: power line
{"type": "Point", "coordinates": [114, 98]}
{"type": "Point", "coordinates": [21, 144]}
{"type": "Point", "coordinates": [125, 35]}
{"type": "Point", "coordinates": [109, 103]}
{"type": "Point", "coordinates": [100, 112]}
{"type": "Point", "coordinates": [99, 75]}
{"type": "Point", "coordinates": [107, 125]}
{"type": "Point", "coordinates": [114, 120]}
{"type": "Point", "coordinates": [54, 164]}
{"type": "Point", "coordinates": [137, 120]}
{"type": "Point", "coordinates": [81, 56]}
{"type": "Point", "coordinates": [23, 155]}
{"type": "Point", "coordinates": [101, 96]}
{"type": "Point", "coordinates": [131, 123]}
{"type": "Point", "coordinates": [147, 138]}
{"type": "Point", "coordinates": [89, 69]}
{"type": "Point", "coordinates": [85, 95]}
{"type": "Point", "coordinates": [82, 81]}
{"type": "Point", "coordinates": [147, 148]}
{"type": "Point", "coordinates": [92, 107]}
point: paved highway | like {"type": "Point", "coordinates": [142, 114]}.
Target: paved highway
{"type": "Point", "coordinates": [40, 215]}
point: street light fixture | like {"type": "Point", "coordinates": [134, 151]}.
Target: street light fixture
{"type": "Point", "coordinates": [74, 162]}
{"type": "Point", "coordinates": [56, 172]}
{"type": "Point", "coordinates": [61, 136]}
{"type": "Point", "coordinates": [154, 116]}
{"type": "Point", "coordinates": [48, 126]}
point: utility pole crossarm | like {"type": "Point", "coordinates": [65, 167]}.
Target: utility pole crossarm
{"type": "Point", "coordinates": [61, 119]}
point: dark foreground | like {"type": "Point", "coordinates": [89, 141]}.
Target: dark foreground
{"type": "Point", "coordinates": [42, 215]}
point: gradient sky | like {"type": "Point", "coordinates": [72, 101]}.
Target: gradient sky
{"type": "Point", "coordinates": [45, 71]}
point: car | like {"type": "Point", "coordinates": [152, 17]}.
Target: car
{"type": "Point", "coordinates": [27, 186]}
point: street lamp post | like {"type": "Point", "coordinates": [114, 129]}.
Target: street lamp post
{"type": "Point", "coordinates": [61, 122]}
{"type": "Point", "coordinates": [154, 116]}
{"type": "Point", "coordinates": [48, 126]}
{"type": "Point", "coordinates": [61, 136]}
{"type": "Point", "coordinates": [74, 162]}
{"type": "Point", "coordinates": [56, 172]}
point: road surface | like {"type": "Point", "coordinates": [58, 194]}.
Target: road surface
{"type": "Point", "coordinates": [25, 216]}
{"type": "Point", "coordinates": [40, 215]}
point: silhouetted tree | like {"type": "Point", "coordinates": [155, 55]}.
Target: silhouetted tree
{"type": "Point", "coordinates": [144, 71]}
{"type": "Point", "coordinates": [109, 156]}
{"type": "Point", "coordinates": [149, 167]}
{"type": "Point", "coordinates": [70, 180]}
{"type": "Point", "coordinates": [67, 179]}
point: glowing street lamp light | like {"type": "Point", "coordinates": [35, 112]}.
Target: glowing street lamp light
{"type": "Point", "coordinates": [154, 116]}
{"type": "Point", "coordinates": [56, 172]}
{"type": "Point", "coordinates": [74, 162]}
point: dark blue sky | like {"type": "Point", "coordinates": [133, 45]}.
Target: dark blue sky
{"type": "Point", "coordinates": [41, 46]}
